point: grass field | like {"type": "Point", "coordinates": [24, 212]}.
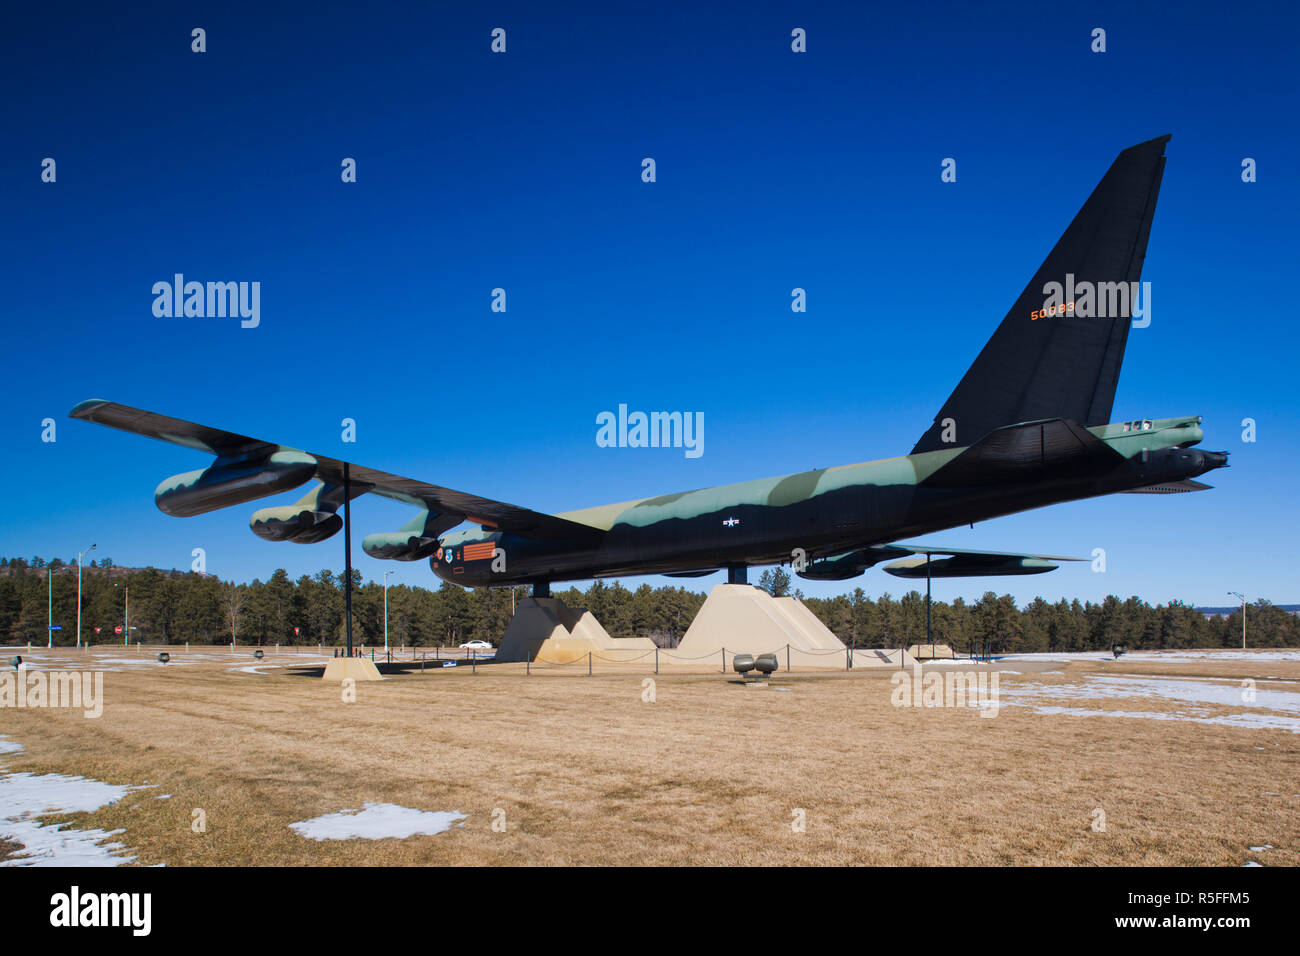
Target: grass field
{"type": "Point", "coordinates": [709, 772]}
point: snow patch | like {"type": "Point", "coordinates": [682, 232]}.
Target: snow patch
{"type": "Point", "coordinates": [24, 796]}
{"type": "Point", "coordinates": [1208, 691]}
{"type": "Point", "coordinates": [1270, 709]}
{"type": "Point", "coordinates": [1169, 657]}
{"type": "Point", "coordinates": [377, 821]}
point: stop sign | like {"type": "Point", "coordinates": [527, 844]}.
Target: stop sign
{"type": "Point", "coordinates": [118, 629]}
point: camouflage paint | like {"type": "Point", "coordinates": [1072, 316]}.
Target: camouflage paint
{"type": "Point", "coordinates": [1030, 412]}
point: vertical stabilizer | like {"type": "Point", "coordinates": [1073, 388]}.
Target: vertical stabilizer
{"type": "Point", "coordinates": [1065, 365]}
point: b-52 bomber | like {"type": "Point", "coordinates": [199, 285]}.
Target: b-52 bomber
{"type": "Point", "coordinates": [1027, 426]}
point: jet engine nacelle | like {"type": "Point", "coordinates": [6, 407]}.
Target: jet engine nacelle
{"type": "Point", "coordinates": [831, 571]}
{"type": "Point", "coordinates": [291, 523]}
{"type": "Point", "coordinates": [399, 546]}
{"type": "Point", "coordinates": [233, 481]}
{"type": "Point", "coordinates": [849, 565]}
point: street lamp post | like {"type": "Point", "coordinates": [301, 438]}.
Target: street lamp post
{"type": "Point", "coordinates": [126, 616]}
{"type": "Point", "coordinates": [1242, 598]}
{"type": "Point", "coordinates": [79, 556]}
{"type": "Point", "coordinates": [386, 574]}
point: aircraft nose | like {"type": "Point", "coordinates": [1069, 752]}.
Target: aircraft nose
{"type": "Point", "coordinates": [1215, 459]}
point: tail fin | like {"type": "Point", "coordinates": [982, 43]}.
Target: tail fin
{"type": "Point", "coordinates": [1065, 365]}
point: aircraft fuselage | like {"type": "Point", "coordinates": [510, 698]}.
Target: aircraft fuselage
{"type": "Point", "coordinates": [817, 514]}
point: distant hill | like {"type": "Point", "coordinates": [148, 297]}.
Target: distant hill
{"type": "Point", "coordinates": [1226, 611]}
{"type": "Point", "coordinates": [89, 570]}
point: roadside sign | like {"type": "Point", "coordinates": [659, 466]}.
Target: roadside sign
{"type": "Point", "coordinates": [56, 627]}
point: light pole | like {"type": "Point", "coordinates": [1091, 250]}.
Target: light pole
{"type": "Point", "coordinates": [126, 616]}
{"type": "Point", "coordinates": [49, 580]}
{"type": "Point", "coordinates": [79, 556]}
{"type": "Point", "coordinates": [1242, 598]}
{"type": "Point", "coordinates": [386, 574]}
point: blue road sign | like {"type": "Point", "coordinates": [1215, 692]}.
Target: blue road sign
{"type": "Point", "coordinates": [57, 627]}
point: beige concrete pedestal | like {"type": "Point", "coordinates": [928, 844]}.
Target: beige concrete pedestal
{"type": "Point", "coordinates": [356, 668]}
{"type": "Point", "coordinates": [548, 631]}
{"type": "Point", "coordinates": [742, 619]}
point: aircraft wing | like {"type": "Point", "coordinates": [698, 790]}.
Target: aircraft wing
{"type": "Point", "coordinates": [249, 468]}
{"type": "Point", "coordinates": [918, 560]}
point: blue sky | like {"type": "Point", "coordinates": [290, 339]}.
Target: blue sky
{"type": "Point", "coordinates": [522, 170]}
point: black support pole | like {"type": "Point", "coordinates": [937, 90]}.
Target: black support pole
{"type": "Point", "coordinates": [928, 639]}
{"type": "Point", "coordinates": [347, 551]}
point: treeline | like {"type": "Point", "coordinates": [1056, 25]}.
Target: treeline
{"type": "Point", "coordinates": [170, 607]}
{"type": "Point", "coordinates": [176, 608]}
{"type": "Point", "coordinates": [1045, 626]}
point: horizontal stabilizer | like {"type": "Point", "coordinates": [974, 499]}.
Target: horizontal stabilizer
{"type": "Point", "coordinates": [933, 549]}
{"type": "Point", "coordinates": [944, 562]}
{"type": "Point", "coordinates": [1032, 451]}
{"type": "Point", "coordinates": [970, 566]}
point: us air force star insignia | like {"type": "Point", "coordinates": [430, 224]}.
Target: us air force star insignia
{"type": "Point", "coordinates": [731, 522]}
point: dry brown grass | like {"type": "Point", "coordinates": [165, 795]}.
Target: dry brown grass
{"type": "Point", "coordinates": [7, 847]}
{"type": "Point", "coordinates": [710, 773]}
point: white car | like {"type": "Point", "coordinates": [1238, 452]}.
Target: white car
{"type": "Point", "coordinates": [476, 646]}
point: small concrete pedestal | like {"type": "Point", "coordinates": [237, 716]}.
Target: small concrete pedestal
{"type": "Point", "coordinates": [931, 652]}
{"type": "Point", "coordinates": [356, 668]}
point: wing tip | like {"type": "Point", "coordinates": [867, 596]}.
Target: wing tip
{"type": "Point", "coordinates": [85, 409]}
